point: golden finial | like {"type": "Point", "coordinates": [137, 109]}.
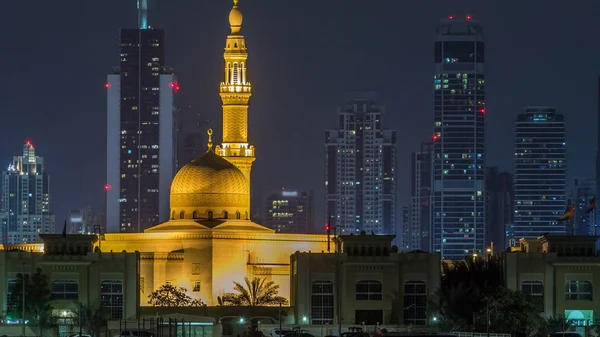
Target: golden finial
{"type": "Point", "coordinates": [210, 143]}
{"type": "Point", "coordinates": [235, 3]}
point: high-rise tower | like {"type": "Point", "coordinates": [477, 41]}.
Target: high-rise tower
{"type": "Point", "coordinates": [360, 159]}
{"type": "Point", "coordinates": [235, 93]}
{"type": "Point", "coordinates": [141, 131]}
{"type": "Point", "coordinates": [25, 199]}
{"type": "Point", "coordinates": [459, 139]}
{"type": "Point", "coordinates": [540, 178]}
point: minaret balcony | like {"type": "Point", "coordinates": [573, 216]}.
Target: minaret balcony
{"type": "Point", "coordinates": [235, 150]}
{"type": "Point", "coordinates": [236, 88]}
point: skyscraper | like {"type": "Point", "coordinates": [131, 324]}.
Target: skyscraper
{"type": "Point", "coordinates": [499, 207]}
{"type": "Point", "coordinates": [25, 204]}
{"type": "Point", "coordinates": [459, 139]}
{"type": "Point", "coordinates": [540, 172]}
{"type": "Point", "coordinates": [596, 215]}
{"type": "Point", "coordinates": [289, 211]}
{"type": "Point", "coordinates": [141, 131]}
{"type": "Point", "coordinates": [583, 222]}
{"type": "Point", "coordinates": [360, 161]}
{"type": "Point", "coordinates": [420, 212]}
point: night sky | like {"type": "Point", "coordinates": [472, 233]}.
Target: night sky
{"type": "Point", "coordinates": [305, 58]}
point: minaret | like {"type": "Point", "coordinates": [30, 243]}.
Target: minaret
{"type": "Point", "coordinates": [235, 93]}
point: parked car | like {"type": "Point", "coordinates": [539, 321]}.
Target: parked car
{"type": "Point", "coordinates": [283, 332]}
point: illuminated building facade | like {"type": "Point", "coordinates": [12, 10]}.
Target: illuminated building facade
{"type": "Point", "coordinates": [360, 174]}
{"type": "Point", "coordinates": [141, 132]}
{"type": "Point", "coordinates": [420, 212]}
{"type": "Point", "coordinates": [459, 139]}
{"type": "Point", "coordinates": [289, 211]}
{"type": "Point", "coordinates": [540, 176]}
{"type": "Point", "coordinates": [25, 199]}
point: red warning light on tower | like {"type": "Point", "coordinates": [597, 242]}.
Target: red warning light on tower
{"type": "Point", "coordinates": [469, 17]}
{"type": "Point", "coordinates": [107, 85]}
{"type": "Point", "coordinates": [451, 17]}
{"type": "Point", "coordinates": [107, 187]}
{"type": "Point", "coordinates": [28, 142]}
{"type": "Point", "coordinates": [482, 110]}
{"type": "Point", "coordinates": [174, 86]}
{"type": "Point", "coordinates": [435, 138]}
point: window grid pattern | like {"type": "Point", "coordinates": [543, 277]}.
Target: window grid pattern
{"type": "Point", "coordinates": [322, 297]}
{"type": "Point", "coordinates": [11, 296]}
{"type": "Point", "coordinates": [369, 291]}
{"type": "Point", "coordinates": [65, 290]}
{"type": "Point", "coordinates": [415, 302]}
{"type": "Point", "coordinates": [578, 290]}
{"type": "Point", "coordinates": [535, 290]}
{"type": "Point", "coordinates": [111, 298]}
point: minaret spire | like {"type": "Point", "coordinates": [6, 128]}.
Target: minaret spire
{"type": "Point", "coordinates": [209, 132]}
{"type": "Point", "coordinates": [142, 7]}
{"type": "Point", "coordinates": [235, 92]}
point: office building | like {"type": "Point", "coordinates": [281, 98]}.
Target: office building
{"type": "Point", "coordinates": [459, 139]}
{"type": "Point", "coordinates": [25, 200]}
{"type": "Point", "coordinates": [86, 221]}
{"type": "Point", "coordinates": [584, 190]}
{"type": "Point", "coordinates": [360, 161]}
{"type": "Point", "coordinates": [499, 207]}
{"type": "Point", "coordinates": [405, 237]}
{"type": "Point", "coordinates": [141, 131]}
{"type": "Point", "coordinates": [420, 212]}
{"type": "Point", "coordinates": [289, 211]}
{"type": "Point", "coordinates": [540, 174]}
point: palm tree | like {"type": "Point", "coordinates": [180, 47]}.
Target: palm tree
{"type": "Point", "coordinates": [258, 293]}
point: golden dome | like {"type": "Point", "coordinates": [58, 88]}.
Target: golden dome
{"type": "Point", "coordinates": [235, 18]}
{"type": "Point", "coordinates": [209, 187]}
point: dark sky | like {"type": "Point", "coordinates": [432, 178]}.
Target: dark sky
{"type": "Point", "coordinates": [305, 57]}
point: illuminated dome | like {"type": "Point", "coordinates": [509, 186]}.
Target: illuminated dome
{"type": "Point", "coordinates": [235, 18]}
{"type": "Point", "coordinates": [209, 187]}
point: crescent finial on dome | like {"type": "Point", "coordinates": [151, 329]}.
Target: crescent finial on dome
{"type": "Point", "coordinates": [209, 132]}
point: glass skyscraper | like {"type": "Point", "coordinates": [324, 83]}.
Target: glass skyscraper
{"type": "Point", "coordinates": [540, 177]}
{"type": "Point", "coordinates": [459, 139]}
{"type": "Point", "coordinates": [25, 199]}
{"type": "Point", "coordinates": [141, 132]}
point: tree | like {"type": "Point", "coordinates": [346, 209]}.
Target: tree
{"type": "Point", "coordinates": [94, 317]}
{"type": "Point", "coordinates": [38, 310]}
{"type": "Point", "coordinates": [464, 286]}
{"type": "Point", "coordinates": [171, 296]}
{"type": "Point", "coordinates": [258, 293]}
{"type": "Point", "coordinates": [511, 312]}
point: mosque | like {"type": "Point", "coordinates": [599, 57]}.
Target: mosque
{"type": "Point", "coordinates": [210, 241]}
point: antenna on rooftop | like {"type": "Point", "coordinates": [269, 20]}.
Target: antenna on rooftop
{"type": "Point", "coordinates": [142, 7]}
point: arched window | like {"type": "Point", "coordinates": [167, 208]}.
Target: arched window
{"type": "Point", "coordinates": [415, 302]}
{"type": "Point", "coordinates": [369, 291]}
{"type": "Point", "coordinates": [238, 215]}
{"type": "Point", "coordinates": [321, 309]}
{"type": "Point", "coordinates": [196, 215]}
{"type": "Point", "coordinates": [225, 215]}
{"type": "Point", "coordinates": [235, 76]}
{"type": "Point", "coordinates": [535, 290]}
{"type": "Point", "coordinates": [111, 298]}
{"type": "Point", "coordinates": [210, 215]}
{"type": "Point", "coordinates": [578, 290]}
{"type": "Point", "coordinates": [182, 215]}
